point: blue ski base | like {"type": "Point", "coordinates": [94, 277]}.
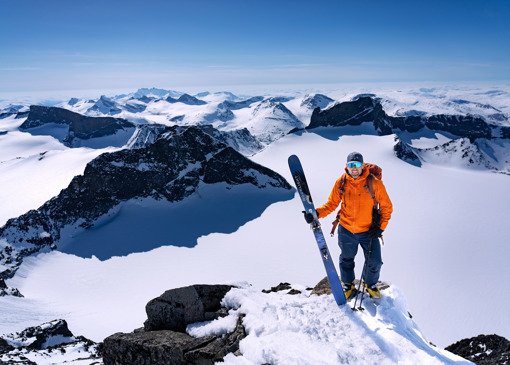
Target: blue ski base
{"type": "Point", "coordinates": [304, 193]}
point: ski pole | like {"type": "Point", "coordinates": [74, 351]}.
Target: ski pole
{"type": "Point", "coordinates": [365, 267]}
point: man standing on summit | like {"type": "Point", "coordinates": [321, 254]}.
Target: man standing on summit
{"type": "Point", "coordinates": [364, 214]}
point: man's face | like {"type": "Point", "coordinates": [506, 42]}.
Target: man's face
{"type": "Point", "coordinates": [355, 169]}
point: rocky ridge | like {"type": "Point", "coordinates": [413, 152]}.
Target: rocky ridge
{"type": "Point", "coordinates": [41, 344]}
{"type": "Point", "coordinates": [164, 340]}
{"type": "Point", "coordinates": [79, 126]}
{"type": "Point", "coordinates": [474, 139]}
{"type": "Point", "coordinates": [170, 169]}
{"type": "Point", "coordinates": [167, 336]}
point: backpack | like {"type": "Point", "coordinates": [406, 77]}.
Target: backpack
{"type": "Point", "coordinates": [374, 171]}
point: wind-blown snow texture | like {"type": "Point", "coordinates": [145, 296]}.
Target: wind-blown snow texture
{"type": "Point", "coordinates": [297, 329]}
{"type": "Point", "coordinates": [445, 244]}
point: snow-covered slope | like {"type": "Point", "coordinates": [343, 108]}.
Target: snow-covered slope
{"type": "Point", "coordinates": [445, 244]}
{"type": "Point", "coordinates": [303, 329]}
{"type": "Point", "coordinates": [434, 237]}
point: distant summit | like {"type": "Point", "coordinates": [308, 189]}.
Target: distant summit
{"type": "Point", "coordinates": [186, 99]}
{"type": "Point", "coordinates": [316, 101]}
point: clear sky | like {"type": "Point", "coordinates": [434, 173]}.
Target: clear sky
{"type": "Point", "coordinates": [208, 44]}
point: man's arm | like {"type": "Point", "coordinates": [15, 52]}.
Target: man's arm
{"type": "Point", "coordinates": [384, 203]}
{"type": "Point", "coordinates": [332, 203]}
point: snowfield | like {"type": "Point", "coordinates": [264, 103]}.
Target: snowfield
{"type": "Point", "coordinates": [445, 254]}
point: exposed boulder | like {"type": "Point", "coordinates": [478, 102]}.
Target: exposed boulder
{"type": "Point", "coordinates": [164, 341]}
{"type": "Point", "coordinates": [483, 349]}
{"type": "Point", "coordinates": [177, 308]}
{"type": "Point", "coordinates": [166, 347]}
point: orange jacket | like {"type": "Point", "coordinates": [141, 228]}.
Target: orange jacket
{"type": "Point", "coordinates": [356, 209]}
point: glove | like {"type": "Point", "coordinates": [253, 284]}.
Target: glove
{"type": "Point", "coordinates": [308, 217]}
{"type": "Point", "coordinates": [374, 232]}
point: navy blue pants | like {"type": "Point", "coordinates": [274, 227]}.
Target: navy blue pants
{"type": "Point", "coordinates": [348, 243]}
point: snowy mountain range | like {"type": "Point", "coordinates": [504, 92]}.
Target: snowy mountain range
{"type": "Point", "coordinates": [158, 175]}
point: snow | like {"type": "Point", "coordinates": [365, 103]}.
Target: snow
{"type": "Point", "coordinates": [303, 329]}
{"type": "Point", "coordinates": [445, 248]}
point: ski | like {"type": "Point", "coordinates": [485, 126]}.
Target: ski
{"type": "Point", "coordinates": [298, 175]}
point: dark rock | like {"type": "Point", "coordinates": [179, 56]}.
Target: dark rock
{"type": "Point", "coordinates": [220, 347]}
{"type": "Point", "coordinates": [150, 348]}
{"type": "Point", "coordinates": [45, 341]}
{"type": "Point", "coordinates": [41, 334]}
{"type": "Point", "coordinates": [367, 109]}
{"type": "Point", "coordinates": [38, 337]}
{"type": "Point", "coordinates": [177, 308]}
{"type": "Point", "coordinates": [406, 152]}
{"type": "Point", "coordinates": [279, 287]}
{"type": "Point", "coordinates": [4, 346]}
{"type": "Point", "coordinates": [171, 168]}
{"type": "Point", "coordinates": [163, 340]}
{"type": "Point", "coordinates": [80, 126]}
{"type": "Point", "coordinates": [483, 349]}
{"type": "Point", "coordinates": [322, 287]}
{"type": "Point", "coordinates": [169, 347]}
{"type": "Point", "coordinates": [362, 110]}
{"type": "Point", "coordinates": [5, 290]}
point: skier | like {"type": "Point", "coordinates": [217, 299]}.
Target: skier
{"type": "Point", "coordinates": [356, 216]}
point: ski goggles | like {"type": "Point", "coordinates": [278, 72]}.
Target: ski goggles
{"type": "Point", "coordinates": [354, 164]}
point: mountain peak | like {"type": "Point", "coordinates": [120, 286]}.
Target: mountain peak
{"type": "Point", "coordinates": [181, 162]}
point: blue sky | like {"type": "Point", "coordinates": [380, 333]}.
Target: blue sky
{"type": "Point", "coordinates": [198, 44]}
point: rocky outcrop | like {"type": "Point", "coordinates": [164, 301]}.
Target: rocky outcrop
{"type": "Point", "coordinates": [46, 344]}
{"type": "Point", "coordinates": [172, 168]}
{"type": "Point", "coordinates": [164, 340]}
{"type": "Point", "coordinates": [367, 109]}
{"type": "Point", "coordinates": [362, 110]}
{"type": "Point", "coordinates": [177, 308]}
{"type": "Point", "coordinates": [5, 290]}
{"type": "Point", "coordinates": [406, 153]}
{"type": "Point", "coordinates": [80, 126]}
{"type": "Point", "coordinates": [483, 349]}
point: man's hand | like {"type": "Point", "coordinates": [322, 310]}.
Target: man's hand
{"type": "Point", "coordinates": [308, 217]}
{"type": "Point", "coordinates": [374, 232]}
